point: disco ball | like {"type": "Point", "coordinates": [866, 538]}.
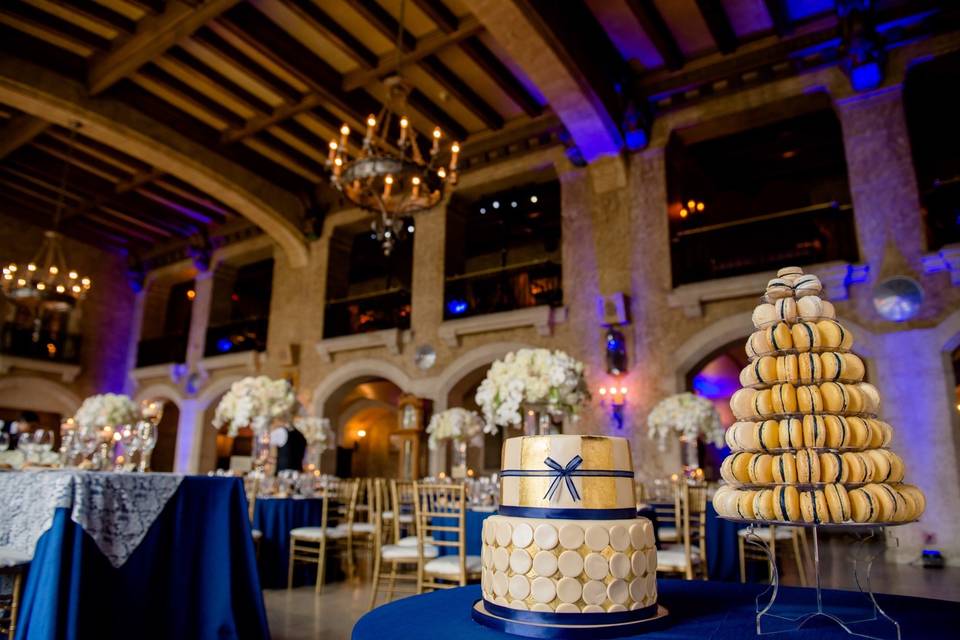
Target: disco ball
{"type": "Point", "coordinates": [898, 298]}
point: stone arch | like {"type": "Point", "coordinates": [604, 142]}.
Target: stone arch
{"type": "Point", "coordinates": [467, 363]}
{"type": "Point", "coordinates": [354, 371]}
{"type": "Point", "coordinates": [948, 332]}
{"type": "Point", "coordinates": [161, 391]}
{"type": "Point", "coordinates": [38, 394]}
{"type": "Point", "coordinates": [355, 408]}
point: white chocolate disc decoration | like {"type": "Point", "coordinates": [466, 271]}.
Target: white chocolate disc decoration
{"type": "Point", "coordinates": [592, 608]}
{"type": "Point", "coordinates": [571, 536]}
{"type": "Point", "coordinates": [544, 564]}
{"type": "Point", "coordinates": [619, 565]}
{"type": "Point", "coordinates": [651, 555]}
{"type": "Point", "coordinates": [518, 604]}
{"type": "Point", "coordinates": [636, 535]}
{"type": "Point", "coordinates": [596, 538]}
{"type": "Point", "coordinates": [570, 564]}
{"type": "Point", "coordinates": [504, 533]}
{"type": "Point", "coordinates": [546, 536]}
{"type": "Point", "coordinates": [639, 562]}
{"type": "Point", "coordinates": [568, 590]}
{"type": "Point", "coordinates": [594, 592]}
{"type": "Point", "coordinates": [485, 582]}
{"type": "Point", "coordinates": [486, 555]}
{"type": "Point", "coordinates": [566, 607]}
{"type": "Point", "coordinates": [501, 601]}
{"type": "Point", "coordinates": [522, 535]}
{"type": "Point", "coordinates": [618, 591]}
{"type": "Point", "coordinates": [501, 559]}
{"type": "Point", "coordinates": [636, 589]}
{"type": "Point", "coordinates": [489, 532]}
{"type": "Point", "coordinates": [636, 605]}
{"type": "Point", "coordinates": [616, 608]}
{"type": "Point", "coordinates": [519, 587]}
{"type": "Point", "coordinates": [500, 583]}
{"type": "Point", "coordinates": [650, 586]}
{"type": "Point", "coordinates": [648, 538]}
{"type": "Point", "coordinates": [543, 590]}
{"type": "Point", "coordinates": [619, 538]}
{"type": "Point", "coordinates": [520, 562]}
{"type": "Point", "coordinates": [542, 608]}
{"type": "Point", "coordinates": [595, 566]}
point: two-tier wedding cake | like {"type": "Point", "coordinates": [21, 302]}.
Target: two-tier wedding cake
{"type": "Point", "coordinates": [567, 556]}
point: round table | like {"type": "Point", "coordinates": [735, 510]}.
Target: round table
{"type": "Point", "coordinates": [698, 610]}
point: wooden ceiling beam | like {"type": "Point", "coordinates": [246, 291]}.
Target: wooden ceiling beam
{"type": "Point", "coordinates": [501, 75]}
{"type": "Point", "coordinates": [51, 30]}
{"type": "Point", "coordinates": [229, 87]}
{"type": "Point", "coordinates": [330, 29]}
{"type": "Point", "coordinates": [94, 13]}
{"type": "Point", "coordinates": [42, 217]}
{"type": "Point", "coordinates": [434, 113]}
{"type": "Point", "coordinates": [155, 34]}
{"type": "Point", "coordinates": [167, 184]}
{"type": "Point", "coordinates": [426, 46]}
{"type": "Point", "coordinates": [718, 22]}
{"type": "Point", "coordinates": [91, 166]}
{"type": "Point", "coordinates": [384, 23]}
{"type": "Point", "coordinates": [462, 92]}
{"type": "Point", "coordinates": [104, 154]}
{"type": "Point", "coordinates": [199, 99]}
{"type": "Point", "coordinates": [780, 17]}
{"type": "Point", "coordinates": [18, 131]}
{"type": "Point", "coordinates": [446, 20]}
{"type": "Point", "coordinates": [646, 13]}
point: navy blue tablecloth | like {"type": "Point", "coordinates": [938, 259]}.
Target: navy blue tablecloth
{"type": "Point", "coordinates": [698, 610]}
{"type": "Point", "coordinates": [275, 518]}
{"type": "Point", "coordinates": [474, 531]}
{"type": "Point", "coordinates": [723, 556]}
{"type": "Point", "coordinates": [193, 575]}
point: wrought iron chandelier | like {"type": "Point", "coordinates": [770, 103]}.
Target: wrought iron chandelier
{"type": "Point", "coordinates": [47, 280]}
{"type": "Point", "coordinates": [392, 177]}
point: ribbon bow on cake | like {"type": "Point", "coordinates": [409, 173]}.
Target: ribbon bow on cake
{"type": "Point", "coordinates": [563, 473]}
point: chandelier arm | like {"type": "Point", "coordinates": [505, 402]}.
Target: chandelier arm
{"type": "Point", "coordinates": [71, 146]}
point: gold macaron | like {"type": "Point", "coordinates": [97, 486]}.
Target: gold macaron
{"type": "Point", "coordinates": [814, 431]}
{"type": "Point", "coordinates": [763, 404]}
{"type": "Point", "coordinates": [863, 506]}
{"type": "Point", "coordinates": [805, 336]}
{"type": "Point", "coordinates": [768, 435]}
{"type": "Point", "coordinates": [763, 505]}
{"type": "Point", "coordinates": [853, 366]}
{"type": "Point", "coordinates": [838, 502]}
{"type": "Point", "coordinates": [835, 397]}
{"type": "Point", "coordinates": [856, 467]}
{"type": "Point", "coordinates": [784, 468]}
{"type": "Point", "coordinates": [810, 366]}
{"type": "Point", "coordinates": [859, 432]}
{"type": "Point", "coordinates": [791, 433]}
{"type": "Point", "coordinates": [784, 397]}
{"type": "Point", "coordinates": [788, 369]}
{"type": "Point", "coordinates": [808, 466]}
{"type": "Point", "coordinates": [809, 399]}
{"type": "Point", "coordinates": [838, 433]}
{"type": "Point", "coordinates": [813, 507]}
{"type": "Point", "coordinates": [741, 403]}
{"type": "Point", "coordinates": [760, 469]}
{"type": "Point", "coordinates": [833, 366]}
{"type": "Point", "coordinates": [745, 504]}
{"type": "Point", "coordinates": [833, 335]}
{"type": "Point", "coordinates": [832, 468]}
{"type": "Point", "coordinates": [786, 503]}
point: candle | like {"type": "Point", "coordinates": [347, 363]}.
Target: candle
{"type": "Point", "coordinates": [454, 154]}
{"type": "Point", "coordinates": [416, 186]}
{"type": "Point", "coordinates": [403, 129]}
{"type": "Point", "coordinates": [387, 186]}
{"type": "Point", "coordinates": [436, 141]}
{"type": "Point", "coordinates": [371, 129]}
{"type": "Point", "coordinates": [333, 150]}
{"type": "Point", "coordinates": [344, 132]}
{"type": "Point", "coordinates": [337, 164]}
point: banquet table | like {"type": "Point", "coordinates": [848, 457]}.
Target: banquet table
{"type": "Point", "coordinates": [473, 526]}
{"type": "Point", "coordinates": [275, 518]}
{"type": "Point", "coordinates": [698, 610]}
{"type": "Point", "coordinates": [132, 555]}
{"type": "Point", "coordinates": [723, 556]}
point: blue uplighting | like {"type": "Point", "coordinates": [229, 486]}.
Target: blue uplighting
{"type": "Point", "coordinates": [710, 387]}
{"type": "Point", "coordinates": [866, 76]}
{"type": "Point", "coordinates": [457, 307]}
{"type": "Point", "coordinates": [224, 345]}
{"type": "Point", "coordinates": [636, 139]}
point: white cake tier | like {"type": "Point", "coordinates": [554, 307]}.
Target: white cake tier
{"type": "Point", "coordinates": [530, 457]}
{"type": "Point", "coordinates": [569, 566]}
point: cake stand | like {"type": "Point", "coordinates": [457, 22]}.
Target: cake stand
{"type": "Point", "coordinates": [863, 555]}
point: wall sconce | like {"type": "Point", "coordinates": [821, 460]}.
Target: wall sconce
{"type": "Point", "coordinates": [613, 398]}
{"type": "Point", "coordinates": [361, 434]}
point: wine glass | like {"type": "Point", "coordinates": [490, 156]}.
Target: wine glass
{"type": "Point", "coordinates": [4, 440]}
{"type": "Point", "coordinates": [147, 435]}
{"type": "Point", "coordinates": [42, 444]}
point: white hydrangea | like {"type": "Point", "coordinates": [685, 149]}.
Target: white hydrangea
{"type": "Point", "coordinates": [552, 379]}
{"type": "Point", "coordinates": [254, 402]}
{"type": "Point", "coordinates": [106, 410]}
{"type": "Point", "coordinates": [687, 415]}
{"type": "Point", "coordinates": [317, 431]}
{"type": "Point", "coordinates": [457, 424]}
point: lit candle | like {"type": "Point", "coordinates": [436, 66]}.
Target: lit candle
{"type": "Point", "coordinates": [403, 130]}
{"type": "Point", "coordinates": [416, 186]}
{"type": "Point", "coordinates": [454, 154]}
{"type": "Point", "coordinates": [442, 173]}
{"type": "Point", "coordinates": [387, 186]}
{"type": "Point", "coordinates": [371, 129]}
{"type": "Point", "coordinates": [333, 150]}
{"type": "Point", "coordinates": [436, 141]}
{"type": "Point", "coordinates": [54, 270]}
{"type": "Point", "coordinates": [344, 132]}
{"type": "Point", "coordinates": [337, 164]}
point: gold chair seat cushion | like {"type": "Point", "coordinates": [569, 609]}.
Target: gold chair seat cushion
{"type": "Point", "coordinates": [411, 541]}
{"type": "Point", "coordinates": [450, 565]}
{"type": "Point", "coordinates": [256, 534]}
{"type": "Point", "coordinates": [782, 533]}
{"type": "Point", "coordinates": [673, 556]}
{"type": "Point", "coordinates": [397, 552]}
{"type": "Point", "coordinates": [317, 533]}
{"type": "Point", "coordinates": [10, 558]}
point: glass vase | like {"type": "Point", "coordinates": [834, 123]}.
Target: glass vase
{"type": "Point", "coordinates": [690, 456]}
{"type": "Point", "coordinates": [458, 460]}
{"type": "Point", "coordinates": [539, 421]}
{"type": "Point", "coordinates": [261, 451]}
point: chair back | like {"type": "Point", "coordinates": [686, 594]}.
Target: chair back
{"type": "Point", "coordinates": [671, 514]}
{"type": "Point", "coordinates": [692, 505]}
{"type": "Point", "coordinates": [363, 511]}
{"type": "Point", "coordinates": [251, 486]}
{"type": "Point", "coordinates": [377, 500]}
{"type": "Point", "coordinates": [440, 512]}
{"type": "Point", "coordinates": [403, 497]}
{"type": "Point", "coordinates": [346, 497]}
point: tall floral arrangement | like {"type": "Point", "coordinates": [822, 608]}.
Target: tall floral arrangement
{"type": "Point", "coordinates": [687, 415]}
{"type": "Point", "coordinates": [254, 402]}
{"type": "Point", "coordinates": [459, 425]}
{"type": "Point", "coordinates": [551, 379]}
{"type": "Point", "coordinates": [106, 410]}
{"type": "Point", "coordinates": [317, 431]}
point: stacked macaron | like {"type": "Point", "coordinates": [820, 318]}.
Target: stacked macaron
{"type": "Point", "coordinates": [808, 445]}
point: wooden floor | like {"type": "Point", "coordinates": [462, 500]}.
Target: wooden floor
{"type": "Point", "coordinates": [300, 615]}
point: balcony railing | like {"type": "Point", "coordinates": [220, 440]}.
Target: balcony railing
{"type": "Point", "coordinates": [162, 350]}
{"type": "Point", "coordinates": [819, 233]}
{"type": "Point", "coordinates": [39, 345]}
{"type": "Point", "coordinates": [245, 335]}
{"type": "Point", "coordinates": [368, 312]}
{"type": "Point", "coordinates": [508, 288]}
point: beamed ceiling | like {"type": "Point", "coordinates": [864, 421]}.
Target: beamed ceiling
{"type": "Point", "coordinates": [201, 114]}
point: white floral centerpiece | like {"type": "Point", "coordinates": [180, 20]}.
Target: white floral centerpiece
{"type": "Point", "coordinates": [317, 431]}
{"type": "Point", "coordinates": [688, 415]}
{"type": "Point", "coordinates": [254, 402]}
{"type": "Point", "coordinates": [459, 425]}
{"type": "Point", "coordinates": [552, 380]}
{"type": "Point", "coordinates": [106, 410]}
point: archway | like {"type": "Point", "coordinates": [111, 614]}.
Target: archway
{"type": "Point", "coordinates": [363, 414]}
{"type": "Point", "coordinates": [27, 393]}
{"type": "Point", "coordinates": [165, 451]}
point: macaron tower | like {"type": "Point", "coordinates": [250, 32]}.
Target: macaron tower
{"type": "Point", "coordinates": [808, 444]}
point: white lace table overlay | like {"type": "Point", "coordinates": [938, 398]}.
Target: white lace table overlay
{"type": "Point", "coordinates": [115, 509]}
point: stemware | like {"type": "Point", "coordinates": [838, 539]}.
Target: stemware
{"type": "Point", "coordinates": [130, 439]}
{"type": "Point", "coordinates": [25, 446]}
{"type": "Point", "coordinates": [42, 444]}
{"type": "Point", "coordinates": [4, 440]}
{"type": "Point", "coordinates": [147, 434]}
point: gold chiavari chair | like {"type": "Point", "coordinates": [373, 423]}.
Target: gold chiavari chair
{"type": "Point", "coordinates": [668, 517]}
{"type": "Point", "coordinates": [310, 544]}
{"type": "Point", "coordinates": [689, 555]}
{"type": "Point", "coordinates": [359, 519]}
{"type": "Point", "coordinates": [402, 498]}
{"type": "Point", "coordinates": [14, 565]}
{"type": "Point", "coordinates": [251, 483]}
{"type": "Point", "coordinates": [441, 510]}
{"type": "Point", "coordinates": [793, 537]}
{"type": "Point", "coordinates": [402, 561]}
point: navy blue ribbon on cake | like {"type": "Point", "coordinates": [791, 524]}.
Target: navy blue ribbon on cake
{"type": "Point", "coordinates": [564, 475]}
{"type": "Point", "coordinates": [575, 619]}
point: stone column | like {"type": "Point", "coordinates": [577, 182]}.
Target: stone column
{"type": "Point", "coordinates": [136, 326]}
{"type": "Point", "coordinates": [427, 283]}
{"type": "Point", "coordinates": [883, 184]}
{"type": "Point", "coordinates": [189, 437]}
{"type": "Point", "coordinates": [199, 318]}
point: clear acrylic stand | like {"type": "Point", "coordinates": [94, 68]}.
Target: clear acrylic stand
{"type": "Point", "coordinates": [863, 559]}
